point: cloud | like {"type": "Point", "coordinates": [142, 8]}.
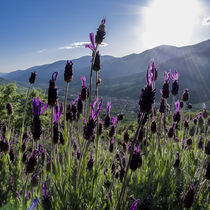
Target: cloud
{"type": "Point", "coordinates": [78, 45]}
{"type": "Point", "coordinates": [42, 51]}
{"type": "Point", "coordinates": [206, 21]}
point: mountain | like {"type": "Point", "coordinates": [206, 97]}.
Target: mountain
{"type": "Point", "coordinates": [125, 76]}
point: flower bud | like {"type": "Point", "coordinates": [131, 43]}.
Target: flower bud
{"type": "Point", "coordinates": [97, 63]}
{"type": "Point", "coordinates": [68, 73]}
{"type": "Point", "coordinates": [9, 109]}
{"type": "Point", "coordinates": [120, 117]}
{"type": "Point", "coordinates": [207, 148]}
{"type": "Point", "coordinates": [101, 32]}
{"type": "Point", "coordinates": [189, 197]}
{"type": "Point", "coordinates": [189, 106]}
{"type": "Point", "coordinates": [107, 121]}
{"type": "Point", "coordinates": [185, 96]}
{"type": "Point", "coordinates": [147, 98]}
{"type": "Point", "coordinates": [35, 179]}
{"type": "Point", "coordinates": [162, 105]}
{"type": "Point", "coordinates": [165, 90]}
{"type": "Point", "coordinates": [175, 88]}
{"type": "Point", "coordinates": [32, 78]}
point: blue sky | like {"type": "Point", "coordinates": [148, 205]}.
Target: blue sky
{"type": "Point", "coordinates": [36, 32]}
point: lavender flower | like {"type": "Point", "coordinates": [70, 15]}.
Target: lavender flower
{"type": "Point", "coordinates": [207, 148]}
{"type": "Point", "coordinates": [35, 179]}
{"type": "Point", "coordinates": [32, 78]}
{"type": "Point", "coordinates": [46, 201]}
{"type": "Point", "coordinates": [154, 125]}
{"type": "Point", "coordinates": [91, 124]}
{"type": "Point", "coordinates": [207, 174]}
{"type": "Point", "coordinates": [84, 92]}
{"type": "Point", "coordinates": [126, 136]}
{"type": "Point", "coordinates": [112, 130]}
{"type": "Point", "coordinates": [9, 109]}
{"type": "Point", "coordinates": [186, 95]}
{"type": "Point", "coordinates": [53, 90]}
{"type": "Point", "coordinates": [91, 161]}
{"type": "Point", "coordinates": [162, 105]}
{"type": "Point", "coordinates": [171, 130]}
{"type": "Point", "coordinates": [107, 118]}
{"type": "Point", "coordinates": [68, 73]}
{"type": "Point", "coordinates": [177, 116]}
{"type": "Point", "coordinates": [175, 85]}
{"type": "Point", "coordinates": [111, 147]}
{"type": "Point", "coordinates": [32, 162]}
{"type": "Point", "coordinates": [177, 161]}
{"type": "Point", "coordinates": [165, 88]}
{"type": "Point", "coordinates": [34, 204]}
{"type": "Point", "coordinates": [38, 108]}
{"type": "Point", "coordinates": [136, 159]}
{"type": "Point", "coordinates": [56, 117]}
{"type": "Point", "coordinates": [134, 205]}
{"type": "Point", "coordinates": [189, 197]}
{"type": "Point", "coordinates": [101, 32]}
{"type": "Point", "coordinates": [186, 123]}
{"type": "Point", "coordinates": [97, 62]}
{"type": "Point", "coordinates": [147, 96]}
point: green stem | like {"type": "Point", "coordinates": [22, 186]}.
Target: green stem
{"type": "Point", "coordinates": [125, 181]}
{"type": "Point", "coordinates": [51, 132]}
{"type": "Point", "coordinates": [24, 112]}
{"type": "Point", "coordinates": [91, 73]}
{"type": "Point", "coordinates": [80, 163]}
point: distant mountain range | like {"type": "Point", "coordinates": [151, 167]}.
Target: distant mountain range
{"type": "Point", "coordinates": [124, 77]}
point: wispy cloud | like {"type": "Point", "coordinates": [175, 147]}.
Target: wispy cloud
{"type": "Point", "coordinates": [78, 45]}
{"type": "Point", "coordinates": [42, 51]}
{"type": "Point", "coordinates": [206, 21]}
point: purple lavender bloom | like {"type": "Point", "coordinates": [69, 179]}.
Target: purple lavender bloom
{"type": "Point", "coordinates": [154, 125]}
{"type": "Point", "coordinates": [53, 90]}
{"type": "Point", "coordinates": [134, 205]}
{"type": "Point", "coordinates": [165, 88]}
{"type": "Point", "coordinates": [177, 105]}
{"type": "Point", "coordinates": [46, 201]}
{"type": "Point", "coordinates": [83, 79]}
{"type": "Point", "coordinates": [107, 118]}
{"type": "Point", "coordinates": [114, 121]}
{"type": "Point", "coordinates": [149, 76]}
{"type": "Point", "coordinates": [154, 71]}
{"type": "Point", "coordinates": [91, 161]}
{"type": "Point", "coordinates": [84, 92]}
{"type": "Point", "coordinates": [68, 73]}
{"type": "Point", "coordinates": [108, 107]}
{"type": "Point", "coordinates": [38, 107]}
{"type": "Point", "coordinates": [177, 161]}
{"type": "Point", "coordinates": [189, 197]}
{"type": "Point", "coordinates": [99, 108]}
{"type": "Point", "coordinates": [95, 114]}
{"type": "Point", "coordinates": [175, 85]}
{"type": "Point", "coordinates": [112, 130]}
{"type": "Point", "coordinates": [34, 204]}
{"type": "Point", "coordinates": [101, 32]}
{"type": "Point", "coordinates": [177, 116]}
{"type": "Point", "coordinates": [185, 96]}
{"type": "Point", "coordinates": [92, 44]}
{"type": "Point", "coordinates": [111, 147]}
{"type": "Point", "coordinates": [175, 76]}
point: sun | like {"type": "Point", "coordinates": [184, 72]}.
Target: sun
{"type": "Point", "coordinates": [169, 22]}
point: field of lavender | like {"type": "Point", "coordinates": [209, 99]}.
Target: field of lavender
{"type": "Point", "coordinates": [61, 155]}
